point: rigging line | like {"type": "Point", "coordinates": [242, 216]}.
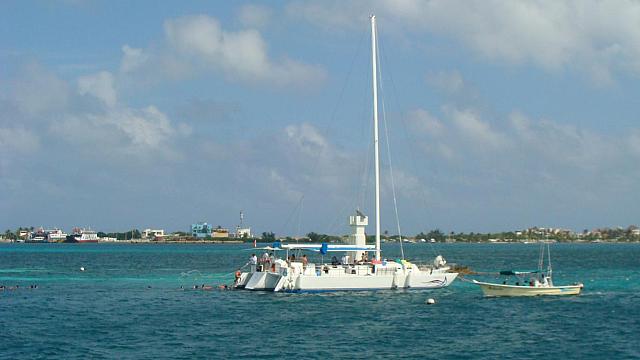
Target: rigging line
{"type": "Point", "coordinates": [293, 212]}
{"type": "Point", "coordinates": [365, 175]}
{"type": "Point", "coordinates": [366, 165]}
{"type": "Point", "coordinates": [300, 218]}
{"type": "Point", "coordinates": [360, 187]}
{"type": "Point", "coordinates": [388, 140]}
{"type": "Point", "coordinates": [549, 256]}
{"type": "Point", "coordinates": [342, 90]}
{"type": "Point", "coordinates": [410, 141]}
{"type": "Point", "coordinates": [344, 85]}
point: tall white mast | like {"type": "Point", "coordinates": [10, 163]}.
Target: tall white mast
{"type": "Point", "coordinates": [374, 50]}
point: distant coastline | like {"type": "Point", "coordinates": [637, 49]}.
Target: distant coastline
{"type": "Point", "coordinates": [531, 235]}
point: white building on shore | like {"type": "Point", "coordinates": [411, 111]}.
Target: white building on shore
{"type": "Point", "coordinates": [150, 233]}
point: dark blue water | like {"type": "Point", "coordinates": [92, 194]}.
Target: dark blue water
{"type": "Point", "coordinates": [128, 304]}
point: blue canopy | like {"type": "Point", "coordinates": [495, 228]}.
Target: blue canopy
{"type": "Point", "coordinates": [518, 272]}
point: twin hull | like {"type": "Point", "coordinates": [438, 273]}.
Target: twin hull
{"type": "Point", "coordinates": [271, 281]}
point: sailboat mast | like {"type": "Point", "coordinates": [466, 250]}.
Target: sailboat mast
{"type": "Point", "coordinates": [374, 50]}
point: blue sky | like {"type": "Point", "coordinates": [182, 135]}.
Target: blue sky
{"type": "Point", "coordinates": [502, 115]}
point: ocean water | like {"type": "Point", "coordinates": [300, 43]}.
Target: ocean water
{"type": "Point", "coordinates": [128, 304]}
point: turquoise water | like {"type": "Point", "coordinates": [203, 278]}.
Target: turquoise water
{"type": "Point", "coordinates": [128, 304]}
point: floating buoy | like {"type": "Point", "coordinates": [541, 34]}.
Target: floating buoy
{"type": "Point", "coordinates": [81, 268]}
{"type": "Point", "coordinates": [430, 301]}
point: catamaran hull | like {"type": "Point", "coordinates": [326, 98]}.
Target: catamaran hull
{"type": "Point", "coordinates": [364, 283]}
{"type": "Point", "coordinates": [490, 289]}
{"type": "Point", "coordinates": [265, 281]}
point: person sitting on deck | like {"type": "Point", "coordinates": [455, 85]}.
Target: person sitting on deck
{"type": "Point", "coordinates": [265, 258]}
{"type": "Point", "coordinates": [334, 261]}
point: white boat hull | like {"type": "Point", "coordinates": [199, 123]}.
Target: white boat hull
{"type": "Point", "coordinates": [490, 289]}
{"type": "Point", "coordinates": [306, 283]}
{"type": "Point", "coordinates": [262, 281]}
{"type": "Point", "coordinates": [342, 279]}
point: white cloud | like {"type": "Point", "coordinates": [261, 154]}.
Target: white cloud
{"type": "Point", "coordinates": [17, 140]}
{"type": "Point", "coordinates": [145, 130]}
{"type": "Point", "coordinates": [39, 91]}
{"type": "Point", "coordinates": [474, 129]}
{"type": "Point", "coordinates": [252, 15]}
{"type": "Point", "coordinates": [306, 138]}
{"type": "Point", "coordinates": [132, 58]}
{"type": "Point", "coordinates": [565, 145]}
{"type": "Point", "coordinates": [424, 122]}
{"type": "Point", "coordinates": [592, 36]}
{"type": "Point", "coordinates": [283, 186]}
{"type": "Point", "coordinates": [448, 81]}
{"type": "Point", "coordinates": [240, 54]}
{"type": "Point", "coordinates": [407, 185]}
{"type": "Point", "coordinates": [100, 85]}
{"type": "Point", "coordinates": [147, 127]}
{"type": "Point", "coordinates": [634, 142]}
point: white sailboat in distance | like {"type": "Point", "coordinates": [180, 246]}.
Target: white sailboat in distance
{"type": "Point", "coordinates": [354, 271]}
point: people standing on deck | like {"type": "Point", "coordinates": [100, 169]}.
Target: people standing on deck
{"type": "Point", "coordinates": [253, 260]}
{"type": "Point", "coordinates": [305, 261]}
{"type": "Point", "coordinates": [364, 258]}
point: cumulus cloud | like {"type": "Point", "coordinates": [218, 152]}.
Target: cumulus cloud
{"type": "Point", "coordinates": [595, 37]}
{"type": "Point", "coordinates": [38, 91]}
{"type": "Point", "coordinates": [424, 122]}
{"type": "Point", "coordinates": [475, 130]}
{"type": "Point", "coordinates": [132, 58]}
{"type": "Point", "coordinates": [306, 138]}
{"type": "Point", "coordinates": [240, 54]}
{"type": "Point", "coordinates": [100, 85]}
{"type": "Point", "coordinates": [147, 127]}
{"type": "Point", "coordinates": [122, 134]}
{"type": "Point", "coordinates": [18, 140]}
{"type": "Point", "coordinates": [524, 144]}
{"type": "Point", "coordinates": [448, 81]}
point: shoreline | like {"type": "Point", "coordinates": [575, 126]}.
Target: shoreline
{"type": "Point", "coordinates": [236, 242]}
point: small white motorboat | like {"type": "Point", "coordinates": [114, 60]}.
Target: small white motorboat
{"type": "Point", "coordinates": [539, 282]}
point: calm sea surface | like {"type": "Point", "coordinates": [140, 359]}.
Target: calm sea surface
{"type": "Point", "coordinates": [128, 304]}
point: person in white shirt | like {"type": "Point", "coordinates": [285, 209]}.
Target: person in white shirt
{"type": "Point", "coordinates": [253, 260]}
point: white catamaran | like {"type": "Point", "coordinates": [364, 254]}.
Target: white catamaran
{"type": "Point", "coordinates": [540, 281]}
{"type": "Point", "coordinates": [353, 271]}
